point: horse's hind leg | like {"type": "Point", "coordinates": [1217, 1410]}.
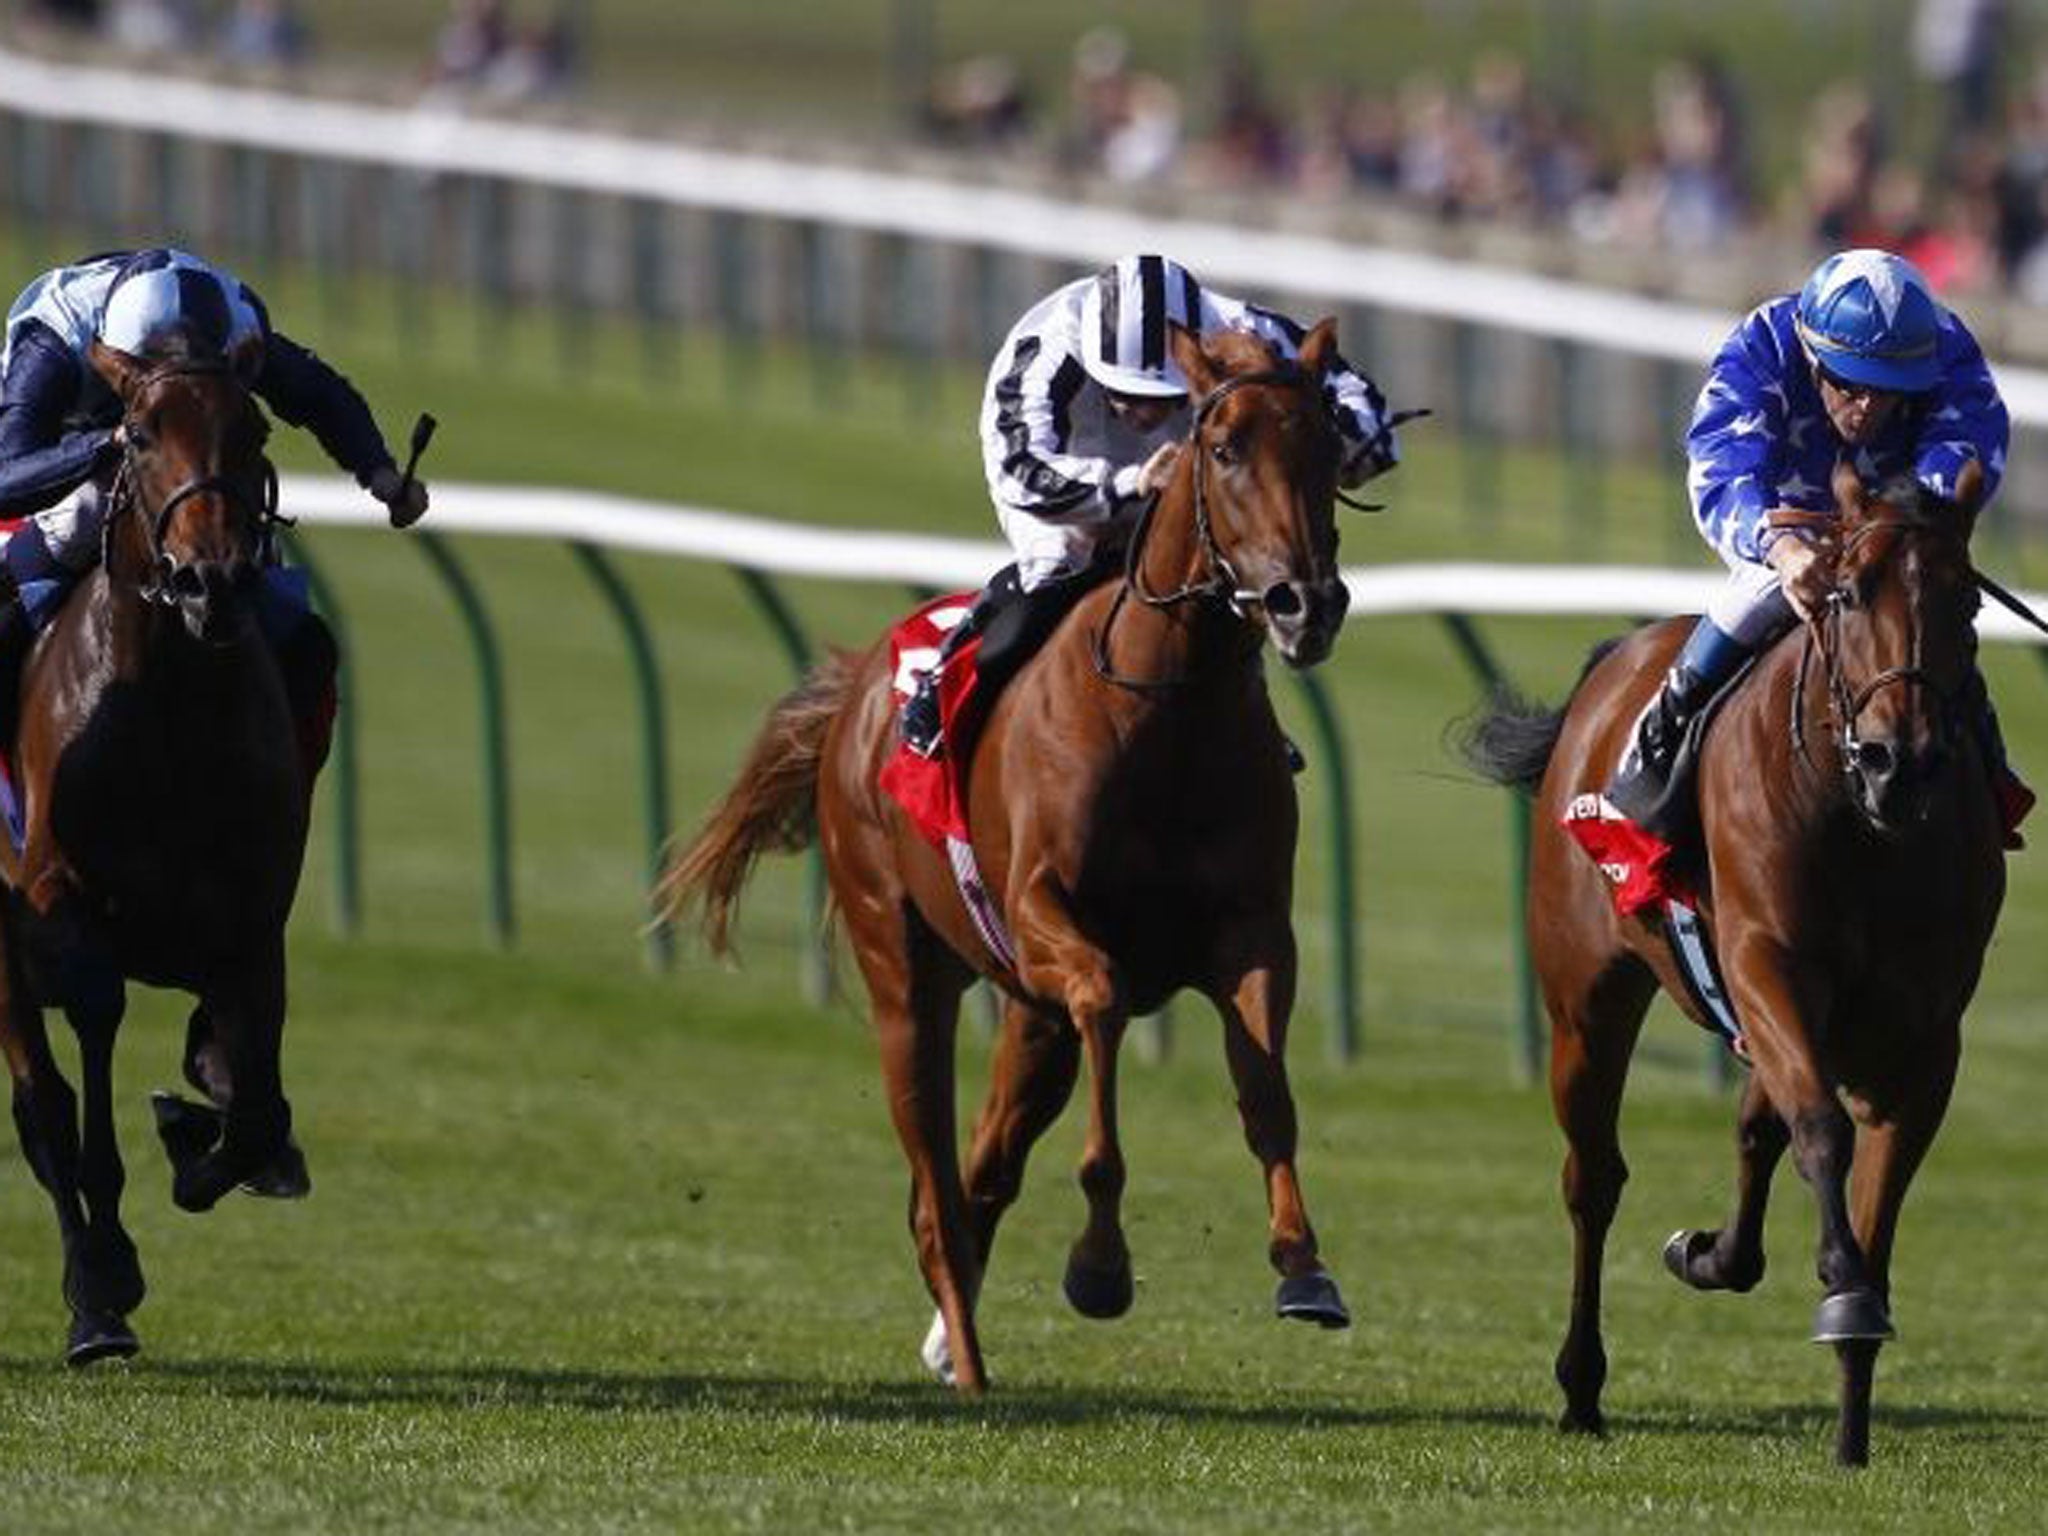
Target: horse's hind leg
{"type": "Point", "coordinates": [1255, 1009]}
{"type": "Point", "coordinates": [1593, 1035]}
{"type": "Point", "coordinates": [1037, 1059]}
{"type": "Point", "coordinates": [914, 991]}
{"type": "Point", "coordinates": [1732, 1259]}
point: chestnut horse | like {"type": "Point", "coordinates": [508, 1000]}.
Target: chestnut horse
{"type": "Point", "coordinates": [1132, 812]}
{"type": "Point", "coordinates": [165, 804]}
{"type": "Point", "coordinates": [1850, 873]}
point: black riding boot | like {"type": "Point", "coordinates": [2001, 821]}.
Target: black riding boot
{"type": "Point", "coordinates": [1641, 788]}
{"type": "Point", "coordinates": [2015, 800]}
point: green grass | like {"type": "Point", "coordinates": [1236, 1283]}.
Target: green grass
{"type": "Point", "coordinates": [593, 1249]}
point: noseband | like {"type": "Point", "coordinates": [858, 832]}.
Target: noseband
{"type": "Point", "coordinates": [125, 496]}
{"type": "Point", "coordinates": [1221, 580]}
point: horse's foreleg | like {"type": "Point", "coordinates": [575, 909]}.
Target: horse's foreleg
{"type": "Point", "coordinates": [111, 1275]}
{"type": "Point", "coordinates": [1255, 1009]}
{"type": "Point", "coordinates": [1037, 1061]}
{"type": "Point", "coordinates": [247, 1017]}
{"type": "Point", "coordinates": [1890, 1155]}
{"type": "Point", "coordinates": [1776, 999]}
{"type": "Point", "coordinates": [1056, 960]}
{"type": "Point", "coordinates": [1732, 1259]}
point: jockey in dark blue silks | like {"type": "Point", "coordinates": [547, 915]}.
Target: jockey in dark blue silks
{"type": "Point", "coordinates": [58, 417]}
{"type": "Point", "coordinates": [1861, 363]}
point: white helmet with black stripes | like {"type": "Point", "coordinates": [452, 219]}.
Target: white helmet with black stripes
{"type": "Point", "coordinates": [1123, 324]}
{"type": "Point", "coordinates": [163, 291]}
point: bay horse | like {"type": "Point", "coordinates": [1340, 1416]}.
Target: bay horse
{"type": "Point", "coordinates": [1850, 873]}
{"type": "Point", "coordinates": [164, 802]}
{"type": "Point", "coordinates": [1132, 813]}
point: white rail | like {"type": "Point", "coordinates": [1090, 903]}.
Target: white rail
{"type": "Point", "coordinates": [440, 141]}
{"type": "Point", "coordinates": [796, 549]}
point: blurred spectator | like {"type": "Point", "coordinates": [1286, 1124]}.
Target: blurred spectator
{"type": "Point", "coordinates": [1251, 146]}
{"type": "Point", "coordinates": [1957, 45]}
{"type": "Point", "coordinates": [1700, 151]}
{"type": "Point", "coordinates": [155, 26]}
{"type": "Point", "coordinates": [80, 14]}
{"type": "Point", "coordinates": [537, 62]}
{"type": "Point", "coordinates": [980, 103]}
{"type": "Point", "coordinates": [264, 32]}
{"type": "Point", "coordinates": [1844, 148]}
{"type": "Point", "coordinates": [471, 39]}
{"type": "Point", "coordinates": [1127, 125]}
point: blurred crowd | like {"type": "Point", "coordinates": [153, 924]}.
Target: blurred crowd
{"type": "Point", "coordinates": [486, 49]}
{"type": "Point", "coordinates": [1677, 167]}
{"type": "Point", "coordinates": [1972, 212]}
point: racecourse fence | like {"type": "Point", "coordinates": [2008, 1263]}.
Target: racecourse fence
{"type": "Point", "coordinates": [762, 551]}
{"type": "Point", "coordinates": [838, 258]}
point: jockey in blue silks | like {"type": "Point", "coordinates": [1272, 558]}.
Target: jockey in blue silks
{"type": "Point", "coordinates": [1861, 363]}
{"type": "Point", "coordinates": [58, 417]}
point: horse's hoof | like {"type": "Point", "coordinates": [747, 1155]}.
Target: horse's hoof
{"type": "Point", "coordinates": [198, 1186]}
{"type": "Point", "coordinates": [1682, 1250]}
{"type": "Point", "coordinates": [188, 1131]}
{"type": "Point", "coordinates": [1312, 1298]}
{"type": "Point", "coordinates": [937, 1352]}
{"type": "Point", "coordinates": [99, 1336]}
{"type": "Point", "coordinates": [1098, 1293]}
{"type": "Point", "coordinates": [284, 1177]}
{"type": "Point", "coordinates": [1591, 1422]}
{"type": "Point", "coordinates": [1858, 1314]}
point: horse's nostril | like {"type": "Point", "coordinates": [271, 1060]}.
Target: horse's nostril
{"type": "Point", "coordinates": [1282, 600]}
{"type": "Point", "coordinates": [1876, 758]}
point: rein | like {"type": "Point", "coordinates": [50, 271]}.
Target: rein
{"type": "Point", "coordinates": [125, 495]}
{"type": "Point", "coordinates": [1222, 580]}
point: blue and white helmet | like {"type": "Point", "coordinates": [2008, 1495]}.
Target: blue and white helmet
{"type": "Point", "coordinates": [162, 291]}
{"type": "Point", "coordinates": [1868, 316]}
{"type": "Point", "coordinates": [1123, 324]}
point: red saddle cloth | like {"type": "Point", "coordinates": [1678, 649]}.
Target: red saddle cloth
{"type": "Point", "coordinates": [930, 789]}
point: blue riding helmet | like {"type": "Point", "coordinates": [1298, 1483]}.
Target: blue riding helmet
{"type": "Point", "coordinates": [1868, 317]}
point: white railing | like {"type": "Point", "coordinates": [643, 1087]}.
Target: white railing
{"type": "Point", "coordinates": [796, 549]}
{"type": "Point", "coordinates": [956, 213]}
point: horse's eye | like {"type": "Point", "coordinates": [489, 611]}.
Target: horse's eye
{"type": "Point", "coordinates": [137, 436]}
{"type": "Point", "coordinates": [1224, 452]}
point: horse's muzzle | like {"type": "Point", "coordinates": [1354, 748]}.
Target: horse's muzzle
{"type": "Point", "coordinates": [1303, 617]}
{"type": "Point", "coordinates": [1895, 781]}
{"type": "Point", "coordinates": [213, 597]}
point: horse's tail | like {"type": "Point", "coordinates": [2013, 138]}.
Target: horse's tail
{"type": "Point", "coordinates": [1511, 740]}
{"type": "Point", "coordinates": [771, 807]}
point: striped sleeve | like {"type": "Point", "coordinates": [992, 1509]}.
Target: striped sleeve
{"type": "Point", "coordinates": [1356, 404]}
{"type": "Point", "coordinates": [1965, 420]}
{"type": "Point", "coordinates": [1734, 446]}
{"type": "Point", "coordinates": [1026, 431]}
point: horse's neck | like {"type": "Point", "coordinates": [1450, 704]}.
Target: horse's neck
{"type": "Point", "coordinates": [1190, 636]}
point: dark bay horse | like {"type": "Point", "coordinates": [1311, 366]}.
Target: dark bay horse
{"type": "Point", "coordinates": [165, 804]}
{"type": "Point", "coordinates": [1133, 812]}
{"type": "Point", "coordinates": [1851, 878]}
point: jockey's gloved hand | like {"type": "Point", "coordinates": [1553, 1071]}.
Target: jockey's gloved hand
{"type": "Point", "coordinates": [1804, 572]}
{"type": "Point", "coordinates": [405, 500]}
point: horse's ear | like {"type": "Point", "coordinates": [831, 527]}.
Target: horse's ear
{"type": "Point", "coordinates": [1319, 349]}
{"type": "Point", "coordinates": [1847, 486]}
{"type": "Point", "coordinates": [1194, 363]}
{"type": "Point", "coordinates": [1970, 491]}
{"type": "Point", "coordinates": [122, 371]}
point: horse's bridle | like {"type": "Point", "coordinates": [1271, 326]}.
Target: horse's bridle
{"type": "Point", "coordinates": [125, 494]}
{"type": "Point", "coordinates": [1221, 581]}
{"type": "Point", "coordinates": [1824, 633]}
